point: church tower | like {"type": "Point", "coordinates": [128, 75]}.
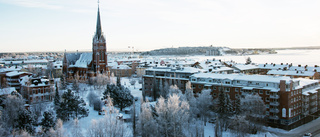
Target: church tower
{"type": "Point", "coordinates": [99, 49]}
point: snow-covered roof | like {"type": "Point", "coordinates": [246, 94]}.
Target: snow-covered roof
{"type": "Point", "coordinates": [291, 73]}
{"type": "Point", "coordinates": [169, 69]}
{"type": "Point", "coordinates": [26, 62]}
{"type": "Point", "coordinates": [261, 78]}
{"type": "Point", "coordinates": [83, 61]}
{"type": "Point", "coordinates": [7, 91]}
{"type": "Point", "coordinates": [245, 67]}
{"type": "Point", "coordinates": [272, 66]}
{"type": "Point", "coordinates": [16, 73]}
{"type": "Point", "coordinates": [121, 67]}
{"type": "Point", "coordinates": [12, 68]}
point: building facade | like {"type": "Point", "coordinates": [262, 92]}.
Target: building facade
{"type": "Point", "coordinates": [289, 101]}
{"type": "Point", "coordinates": [86, 65]}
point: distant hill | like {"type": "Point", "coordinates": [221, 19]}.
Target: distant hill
{"type": "Point", "coordinates": [209, 51]}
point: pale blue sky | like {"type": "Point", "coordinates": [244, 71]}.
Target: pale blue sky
{"type": "Point", "coordinates": [55, 25]}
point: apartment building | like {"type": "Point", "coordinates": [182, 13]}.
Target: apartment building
{"type": "Point", "coordinates": [289, 101]}
{"type": "Point", "coordinates": [37, 90]}
{"type": "Point", "coordinates": [171, 75]}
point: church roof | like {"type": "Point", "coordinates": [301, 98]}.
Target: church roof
{"type": "Point", "coordinates": [98, 27]}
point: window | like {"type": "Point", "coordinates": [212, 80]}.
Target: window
{"type": "Point", "coordinates": [214, 94]}
{"type": "Point", "coordinates": [214, 88]}
{"type": "Point", "coordinates": [267, 99]}
{"type": "Point", "coordinates": [267, 92]}
{"type": "Point", "coordinates": [236, 89]}
{"type": "Point", "coordinates": [260, 91]}
{"type": "Point", "coordinates": [227, 82]}
{"type": "Point", "coordinates": [227, 89]}
{"type": "Point", "coordinates": [267, 84]}
{"type": "Point", "coordinates": [249, 82]}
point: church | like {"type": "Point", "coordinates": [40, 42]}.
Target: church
{"type": "Point", "coordinates": [87, 64]}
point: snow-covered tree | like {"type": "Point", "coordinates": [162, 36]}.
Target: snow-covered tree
{"type": "Point", "coordinates": [25, 121]}
{"type": "Point", "coordinates": [109, 126]}
{"type": "Point", "coordinates": [56, 100]}
{"type": "Point", "coordinates": [192, 100]}
{"type": "Point", "coordinates": [174, 90]}
{"type": "Point", "coordinates": [91, 97]}
{"type": "Point", "coordinates": [59, 130]}
{"type": "Point", "coordinates": [237, 104]}
{"type": "Point", "coordinates": [147, 125]}
{"type": "Point", "coordinates": [76, 129]}
{"type": "Point", "coordinates": [121, 96]}
{"type": "Point", "coordinates": [204, 105]}
{"type": "Point", "coordinates": [239, 125]}
{"type": "Point", "coordinates": [71, 106]}
{"type": "Point", "coordinates": [248, 61]}
{"type": "Point", "coordinates": [48, 121]}
{"type": "Point", "coordinates": [10, 113]}
{"type": "Point", "coordinates": [173, 115]}
{"type": "Point", "coordinates": [253, 107]}
{"type": "Point", "coordinates": [75, 84]}
{"type": "Point", "coordinates": [63, 82]}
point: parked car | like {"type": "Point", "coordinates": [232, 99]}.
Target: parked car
{"type": "Point", "coordinates": [307, 135]}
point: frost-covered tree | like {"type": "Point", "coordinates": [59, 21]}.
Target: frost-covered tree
{"type": "Point", "coordinates": [204, 101]}
{"type": "Point", "coordinates": [101, 80]}
{"type": "Point", "coordinates": [174, 90]}
{"type": "Point", "coordinates": [239, 125]}
{"type": "Point", "coordinates": [59, 130]}
{"type": "Point", "coordinates": [13, 105]}
{"type": "Point", "coordinates": [253, 107]}
{"type": "Point", "coordinates": [147, 126]}
{"type": "Point", "coordinates": [172, 116]}
{"type": "Point", "coordinates": [76, 129]}
{"type": "Point", "coordinates": [71, 106]}
{"type": "Point", "coordinates": [48, 121]}
{"type": "Point", "coordinates": [121, 96]}
{"type": "Point", "coordinates": [91, 97]}
{"type": "Point", "coordinates": [75, 84]}
{"type": "Point", "coordinates": [109, 126]}
{"type": "Point", "coordinates": [192, 100]}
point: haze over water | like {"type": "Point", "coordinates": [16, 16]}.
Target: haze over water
{"type": "Point", "coordinates": [303, 57]}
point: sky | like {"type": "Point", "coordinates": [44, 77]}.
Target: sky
{"type": "Point", "coordinates": [58, 25]}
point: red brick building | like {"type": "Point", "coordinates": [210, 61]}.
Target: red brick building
{"type": "Point", "coordinates": [88, 64]}
{"type": "Point", "coordinates": [289, 101]}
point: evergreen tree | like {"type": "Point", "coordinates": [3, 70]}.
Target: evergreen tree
{"type": "Point", "coordinates": [47, 121]}
{"type": "Point", "coordinates": [75, 85]}
{"type": "Point", "coordinates": [56, 100]}
{"type": "Point", "coordinates": [237, 105]}
{"type": "Point", "coordinates": [248, 61]}
{"type": "Point", "coordinates": [71, 106]}
{"type": "Point", "coordinates": [25, 121]}
{"type": "Point", "coordinates": [63, 82]}
{"type": "Point", "coordinates": [121, 96]}
{"type": "Point", "coordinates": [118, 81]}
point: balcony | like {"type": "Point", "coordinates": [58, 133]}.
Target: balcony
{"type": "Point", "coordinates": [274, 96]}
{"type": "Point", "coordinates": [274, 110]}
{"type": "Point", "coordinates": [274, 117]}
{"type": "Point", "coordinates": [274, 103]}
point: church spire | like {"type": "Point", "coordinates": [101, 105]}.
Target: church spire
{"type": "Point", "coordinates": [98, 29]}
